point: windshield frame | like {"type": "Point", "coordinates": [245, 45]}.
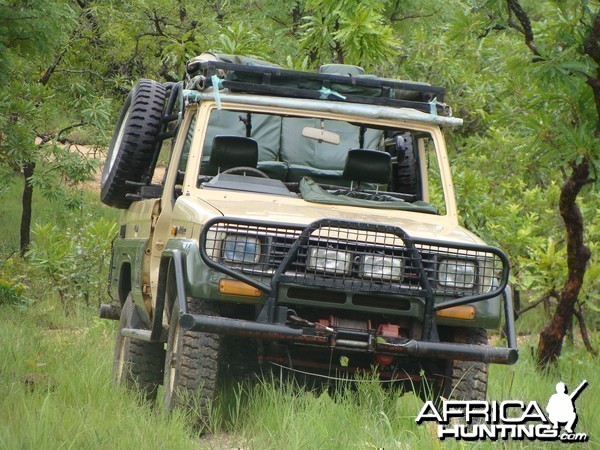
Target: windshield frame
{"type": "Point", "coordinates": [205, 108]}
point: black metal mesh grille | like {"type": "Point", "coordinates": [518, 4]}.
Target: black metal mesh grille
{"type": "Point", "coordinates": [253, 249]}
{"type": "Point", "coordinates": [370, 258]}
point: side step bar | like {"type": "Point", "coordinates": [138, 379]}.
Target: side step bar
{"type": "Point", "coordinates": [144, 335]}
{"type": "Point", "coordinates": [134, 333]}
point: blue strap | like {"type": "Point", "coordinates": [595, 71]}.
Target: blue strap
{"type": "Point", "coordinates": [191, 96]}
{"type": "Point", "coordinates": [326, 92]}
{"type": "Point", "coordinates": [433, 107]}
{"type": "Point", "coordinates": [217, 84]}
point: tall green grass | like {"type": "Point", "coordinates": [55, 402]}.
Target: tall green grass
{"type": "Point", "coordinates": [270, 415]}
{"type": "Point", "coordinates": [56, 390]}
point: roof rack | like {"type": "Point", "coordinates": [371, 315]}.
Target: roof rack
{"type": "Point", "coordinates": [365, 89]}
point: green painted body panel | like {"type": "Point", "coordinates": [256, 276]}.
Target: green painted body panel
{"type": "Point", "coordinates": [129, 251]}
{"type": "Point", "coordinates": [202, 282]}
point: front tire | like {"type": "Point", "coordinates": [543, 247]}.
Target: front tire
{"type": "Point", "coordinates": [192, 364]}
{"type": "Point", "coordinates": [137, 364]}
{"type": "Point", "coordinates": [457, 379]}
{"type": "Point", "coordinates": [468, 379]}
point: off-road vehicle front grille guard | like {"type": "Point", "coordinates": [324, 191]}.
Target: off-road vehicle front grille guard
{"type": "Point", "coordinates": [355, 256]}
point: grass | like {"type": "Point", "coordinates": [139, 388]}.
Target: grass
{"type": "Point", "coordinates": [267, 416]}
{"type": "Point", "coordinates": [56, 390]}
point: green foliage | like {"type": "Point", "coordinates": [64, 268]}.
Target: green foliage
{"type": "Point", "coordinates": [241, 40]}
{"type": "Point", "coordinates": [349, 31]}
{"type": "Point", "coordinates": [30, 29]}
{"type": "Point", "coordinates": [525, 118]}
{"type": "Point", "coordinates": [12, 292]}
{"type": "Point", "coordinates": [74, 258]}
{"type": "Point", "coordinates": [524, 122]}
{"type": "Point", "coordinates": [365, 38]}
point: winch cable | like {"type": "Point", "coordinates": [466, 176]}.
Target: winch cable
{"type": "Point", "coordinates": [328, 377]}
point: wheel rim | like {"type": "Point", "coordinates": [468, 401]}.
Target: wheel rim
{"type": "Point", "coordinates": [121, 361]}
{"type": "Point", "coordinates": [115, 149]}
{"type": "Point", "coordinates": [172, 369]}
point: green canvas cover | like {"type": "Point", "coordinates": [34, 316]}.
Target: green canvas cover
{"type": "Point", "coordinates": [299, 82]}
{"type": "Point", "coordinates": [245, 60]}
{"type": "Point", "coordinates": [297, 149]}
{"type": "Point", "coordinates": [266, 130]}
{"type": "Point", "coordinates": [312, 192]}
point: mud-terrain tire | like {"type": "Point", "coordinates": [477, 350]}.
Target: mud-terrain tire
{"type": "Point", "coordinates": [133, 142]}
{"type": "Point", "coordinates": [458, 380]}
{"type": "Point", "coordinates": [467, 380]}
{"type": "Point", "coordinates": [137, 364]}
{"type": "Point", "coordinates": [407, 170]}
{"type": "Point", "coordinates": [192, 364]}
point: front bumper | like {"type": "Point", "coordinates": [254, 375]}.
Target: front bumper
{"type": "Point", "coordinates": [369, 343]}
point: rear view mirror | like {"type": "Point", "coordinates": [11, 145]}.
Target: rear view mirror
{"type": "Point", "coordinates": [321, 135]}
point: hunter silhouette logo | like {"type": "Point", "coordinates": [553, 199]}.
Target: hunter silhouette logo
{"type": "Point", "coordinates": [561, 406]}
{"type": "Point", "coordinates": [510, 419]}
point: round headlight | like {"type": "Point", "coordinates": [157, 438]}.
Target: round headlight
{"type": "Point", "coordinates": [239, 248]}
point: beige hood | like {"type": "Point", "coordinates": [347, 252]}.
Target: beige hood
{"type": "Point", "coordinates": [297, 211]}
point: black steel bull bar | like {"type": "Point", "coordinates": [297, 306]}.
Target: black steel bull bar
{"type": "Point", "coordinates": [271, 323]}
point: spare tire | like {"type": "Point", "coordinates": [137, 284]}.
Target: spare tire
{"type": "Point", "coordinates": [133, 142]}
{"type": "Point", "coordinates": [407, 170]}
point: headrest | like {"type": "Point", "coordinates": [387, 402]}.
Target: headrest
{"type": "Point", "coordinates": [369, 166]}
{"type": "Point", "coordinates": [234, 151]}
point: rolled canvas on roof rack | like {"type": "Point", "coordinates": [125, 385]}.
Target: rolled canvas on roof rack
{"type": "Point", "coordinates": [251, 76]}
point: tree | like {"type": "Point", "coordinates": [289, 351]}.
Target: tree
{"type": "Point", "coordinates": [31, 34]}
{"type": "Point", "coordinates": [347, 32]}
{"type": "Point", "coordinates": [569, 134]}
{"type": "Point", "coordinates": [542, 109]}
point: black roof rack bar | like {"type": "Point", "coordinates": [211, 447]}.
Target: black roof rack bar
{"type": "Point", "coordinates": [272, 80]}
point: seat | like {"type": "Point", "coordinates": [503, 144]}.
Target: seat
{"type": "Point", "coordinates": [368, 166]}
{"type": "Point", "coordinates": [233, 151]}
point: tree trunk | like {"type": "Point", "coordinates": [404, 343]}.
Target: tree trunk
{"type": "Point", "coordinates": [28, 170]}
{"type": "Point", "coordinates": [578, 254]}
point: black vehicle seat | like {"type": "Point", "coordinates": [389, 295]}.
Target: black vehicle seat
{"type": "Point", "coordinates": [368, 166]}
{"type": "Point", "coordinates": [233, 151]}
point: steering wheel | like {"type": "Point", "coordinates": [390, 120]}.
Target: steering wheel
{"type": "Point", "coordinates": [244, 170]}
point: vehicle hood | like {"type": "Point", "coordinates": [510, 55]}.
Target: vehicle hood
{"type": "Point", "coordinates": [299, 212]}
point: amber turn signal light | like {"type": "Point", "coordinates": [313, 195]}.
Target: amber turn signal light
{"type": "Point", "coordinates": [235, 287]}
{"type": "Point", "coordinates": [466, 312]}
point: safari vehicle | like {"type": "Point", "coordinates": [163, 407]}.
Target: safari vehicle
{"type": "Point", "coordinates": [305, 221]}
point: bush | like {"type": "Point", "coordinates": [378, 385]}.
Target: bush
{"type": "Point", "coordinates": [12, 291]}
{"type": "Point", "coordinates": [74, 258]}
